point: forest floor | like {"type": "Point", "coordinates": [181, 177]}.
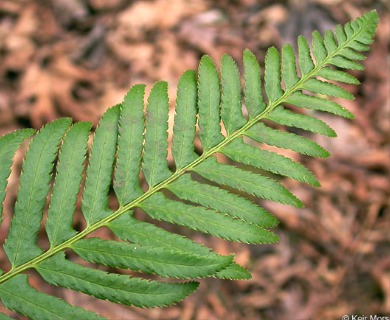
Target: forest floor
{"type": "Point", "coordinates": [76, 58]}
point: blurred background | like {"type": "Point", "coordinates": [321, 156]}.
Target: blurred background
{"type": "Point", "coordinates": [77, 57]}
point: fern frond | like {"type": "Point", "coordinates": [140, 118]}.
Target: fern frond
{"type": "Point", "coordinates": [205, 220]}
{"type": "Point", "coordinates": [291, 119]}
{"type": "Point", "coordinates": [315, 103]}
{"type": "Point", "coordinates": [152, 259]}
{"type": "Point", "coordinates": [21, 244]}
{"type": "Point", "coordinates": [329, 41]}
{"type": "Point", "coordinates": [201, 194]}
{"type": "Point", "coordinates": [130, 139]}
{"type": "Point", "coordinates": [155, 165]}
{"type": "Point", "coordinates": [130, 229]}
{"type": "Point", "coordinates": [337, 75]}
{"type": "Point", "coordinates": [281, 139]}
{"type": "Point", "coordinates": [272, 75]}
{"type": "Point", "coordinates": [8, 146]}
{"type": "Point", "coordinates": [231, 109]}
{"type": "Point", "coordinates": [221, 200]}
{"type": "Point", "coordinates": [318, 47]}
{"type": "Point", "coordinates": [326, 88]}
{"type": "Point", "coordinates": [246, 181]}
{"type": "Point", "coordinates": [100, 168]}
{"type": "Point", "coordinates": [252, 91]}
{"type": "Point", "coordinates": [67, 185]}
{"type": "Point", "coordinates": [185, 120]}
{"type": "Point", "coordinates": [241, 152]}
{"type": "Point", "coordinates": [209, 98]}
{"type": "Point", "coordinates": [289, 69]}
{"type": "Point", "coordinates": [16, 294]}
{"type": "Point", "coordinates": [306, 64]}
{"type": "Point", "coordinates": [113, 287]}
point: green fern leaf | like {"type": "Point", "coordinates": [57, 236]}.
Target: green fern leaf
{"type": "Point", "coordinates": [272, 75]}
{"type": "Point", "coordinates": [322, 87]}
{"type": "Point", "coordinates": [201, 194]}
{"type": "Point", "coordinates": [20, 245]}
{"type": "Point", "coordinates": [340, 35]}
{"type": "Point", "coordinates": [8, 145]}
{"type": "Point", "coordinates": [289, 68]}
{"type": "Point", "coordinates": [233, 272]}
{"type": "Point", "coordinates": [185, 120]}
{"type": "Point", "coordinates": [351, 54]}
{"type": "Point", "coordinates": [231, 109]}
{"type": "Point", "coordinates": [155, 166]}
{"type": "Point", "coordinates": [166, 263]}
{"type": "Point", "coordinates": [318, 47]}
{"type": "Point", "coordinates": [301, 121]}
{"type": "Point", "coordinates": [305, 62]}
{"type": "Point", "coordinates": [130, 138]}
{"type": "Point", "coordinates": [329, 41]}
{"type": "Point", "coordinates": [205, 220]}
{"type": "Point", "coordinates": [208, 103]}
{"type": "Point", "coordinates": [70, 167]}
{"type": "Point", "coordinates": [129, 229]}
{"type": "Point", "coordinates": [16, 294]}
{"type": "Point", "coordinates": [263, 134]}
{"type": "Point", "coordinates": [221, 200]}
{"type": "Point", "coordinates": [113, 287]}
{"type": "Point", "coordinates": [315, 103]}
{"type": "Point", "coordinates": [344, 63]}
{"type": "Point", "coordinates": [358, 46]}
{"type": "Point", "coordinates": [241, 152]}
{"type": "Point", "coordinates": [252, 91]}
{"type": "Point", "coordinates": [246, 181]}
{"type": "Point", "coordinates": [99, 172]}
{"type": "Point", "coordinates": [337, 75]}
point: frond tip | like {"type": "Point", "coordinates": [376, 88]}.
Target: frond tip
{"type": "Point", "coordinates": [219, 198]}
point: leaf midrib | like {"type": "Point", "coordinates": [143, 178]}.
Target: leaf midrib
{"type": "Point", "coordinates": [251, 122]}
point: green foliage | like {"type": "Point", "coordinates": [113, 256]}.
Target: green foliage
{"type": "Point", "coordinates": [18, 295]}
{"type": "Point", "coordinates": [21, 245]}
{"type": "Point", "coordinates": [113, 287]}
{"type": "Point", "coordinates": [201, 194]}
